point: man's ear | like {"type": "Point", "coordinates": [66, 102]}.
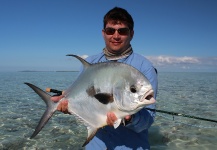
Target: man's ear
{"type": "Point", "coordinates": [131, 34]}
{"type": "Point", "coordinates": [103, 32]}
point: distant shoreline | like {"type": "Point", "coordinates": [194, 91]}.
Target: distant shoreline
{"type": "Point", "coordinates": [45, 71]}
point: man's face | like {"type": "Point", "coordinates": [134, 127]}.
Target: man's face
{"type": "Point", "coordinates": [117, 42]}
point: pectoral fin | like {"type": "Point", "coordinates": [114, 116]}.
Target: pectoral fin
{"type": "Point", "coordinates": [91, 134]}
{"type": "Point", "coordinates": [104, 98]}
{"type": "Point", "coordinates": [117, 123]}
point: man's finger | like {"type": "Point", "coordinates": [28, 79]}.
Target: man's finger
{"type": "Point", "coordinates": [56, 98]}
{"type": "Point", "coordinates": [63, 106]}
{"type": "Point", "coordinates": [127, 117]}
{"type": "Point", "coordinates": [111, 118]}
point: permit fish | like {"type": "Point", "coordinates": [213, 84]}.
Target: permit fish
{"type": "Point", "coordinates": [100, 88]}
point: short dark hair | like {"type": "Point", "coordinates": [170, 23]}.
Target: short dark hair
{"type": "Point", "coordinates": [117, 15]}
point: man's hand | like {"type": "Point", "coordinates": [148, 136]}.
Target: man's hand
{"type": "Point", "coordinates": [63, 105]}
{"type": "Point", "coordinates": [56, 98]}
{"type": "Point", "coordinates": [111, 118]}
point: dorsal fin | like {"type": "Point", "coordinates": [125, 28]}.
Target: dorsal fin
{"type": "Point", "coordinates": [84, 62]}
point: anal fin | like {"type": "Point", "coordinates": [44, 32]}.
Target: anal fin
{"type": "Point", "coordinates": [91, 134]}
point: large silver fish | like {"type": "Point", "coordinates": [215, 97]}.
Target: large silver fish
{"type": "Point", "coordinates": [99, 89]}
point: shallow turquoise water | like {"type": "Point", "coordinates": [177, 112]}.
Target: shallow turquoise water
{"type": "Point", "coordinates": [189, 93]}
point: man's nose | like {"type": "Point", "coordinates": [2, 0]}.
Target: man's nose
{"type": "Point", "coordinates": [116, 34]}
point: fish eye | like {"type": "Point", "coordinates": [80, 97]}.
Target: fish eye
{"type": "Point", "coordinates": [133, 89]}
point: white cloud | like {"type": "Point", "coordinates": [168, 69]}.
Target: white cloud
{"type": "Point", "coordinates": [84, 56]}
{"type": "Point", "coordinates": [165, 60]}
{"type": "Point", "coordinates": [184, 63]}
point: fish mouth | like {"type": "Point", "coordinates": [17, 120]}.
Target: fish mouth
{"type": "Point", "coordinates": [147, 96]}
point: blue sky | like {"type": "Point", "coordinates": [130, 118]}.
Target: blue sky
{"type": "Point", "coordinates": [176, 35]}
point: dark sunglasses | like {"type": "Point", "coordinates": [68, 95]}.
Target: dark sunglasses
{"type": "Point", "coordinates": [121, 31]}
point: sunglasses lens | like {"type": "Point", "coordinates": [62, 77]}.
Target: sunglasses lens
{"type": "Point", "coordinates": [123, 31]}
{"type": "Point", "coordinates": [109, 31]}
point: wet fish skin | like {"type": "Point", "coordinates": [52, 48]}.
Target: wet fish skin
{"type": "Point", "coordinates": [99, 89]}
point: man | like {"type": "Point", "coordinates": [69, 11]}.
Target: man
{"type": "Point", "coordinates": [117, 33]}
